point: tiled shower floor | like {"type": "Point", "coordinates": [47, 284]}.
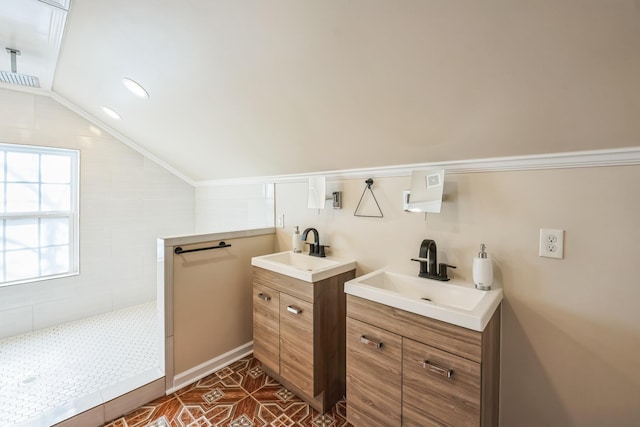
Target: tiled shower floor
{"type": "Point", "coordinates": [48, 375]}
{"type": "Point", "coordinates": [240, 395]}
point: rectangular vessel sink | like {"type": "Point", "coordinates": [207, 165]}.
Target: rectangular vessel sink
{"type": "Point", "coordinates": [302, 266]}
{"type": "Point", "coordinates": [454, 302]}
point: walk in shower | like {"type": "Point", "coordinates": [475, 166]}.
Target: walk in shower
{"type": "Point", "coordinates": [79, 325]}
{"type": "Point", "coordinates": [77, 250]}
{"type": "Point", "coordinates": [54, 373]}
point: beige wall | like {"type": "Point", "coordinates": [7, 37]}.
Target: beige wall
{"type": "Point", "coordinates": [362, 83]}
{"type": "Point", "coordinates": [571, 327]}
{"type": "Point", "coordinates": [212, 304]}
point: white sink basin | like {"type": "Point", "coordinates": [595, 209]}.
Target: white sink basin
{"type": "Point", "coordinates": [302, 266]}
{"type": "Point", "coordinates": [454, 302]}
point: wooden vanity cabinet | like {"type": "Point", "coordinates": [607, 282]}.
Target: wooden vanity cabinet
{"type": "Point", "coordinates": [438, 388]}
{"type": "Point", "coordinates": [266, 326]}
{"type": "Point", "coordinates": [444, 375]}
{"type": "Point", "coordinates": [296, 344]}
{"type": "Point", "coordinates": [374, 375]}
{"type": "Point", "coordinates": [299, 334]}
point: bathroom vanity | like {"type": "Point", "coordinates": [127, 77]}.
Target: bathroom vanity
{"type": "Point", "coordinates": [299, 324]}
{"type": "Point", "coordinates": [406, 366]}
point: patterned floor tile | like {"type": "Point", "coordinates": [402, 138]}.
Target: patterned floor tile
{"type": "Point", "coordinates": [120, 422]}
{"type": "Point", "coordinates": [250, 373]}
{"type": "Point", "coordinates": [278, 400]}
{"type": "Point", "coordinates": [161, 422]}
{"type": "Point", "coordinates": [214, 416]}
{"type": "Point", "coordinates": [246, 413]}
{"type": "Point", "coordinates": [207, 395]}
{"type": "Point", "coordinates": [201, 422]}
{"type": "Point", "coordinates": [152, 414]}
{"type": "Point", "coordinates": [336, 417]}
{"type": "Point", "coordinates": [240, 395]}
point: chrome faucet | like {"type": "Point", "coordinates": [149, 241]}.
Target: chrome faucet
{"type": "Point", "coordinates": [315, 248]}
{"type": "Point", "coordinates": [428, 259]}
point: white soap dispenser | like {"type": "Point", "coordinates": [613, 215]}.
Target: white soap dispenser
{"type": "Point", "coordinates": [296, 242]}
{"type": "Point", "coordinates": [482, 270]}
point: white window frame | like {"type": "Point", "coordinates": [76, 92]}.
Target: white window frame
{"type": "Point", "coordinates": [73, 214]}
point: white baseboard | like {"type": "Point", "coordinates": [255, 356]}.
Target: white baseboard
{"type": "Point", "coordinates": [192, 375]}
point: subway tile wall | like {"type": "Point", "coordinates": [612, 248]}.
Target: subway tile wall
{"type": "Point", "coordinates": [126, 202]}
{"type": "Point", "coordinates": [234, 207]}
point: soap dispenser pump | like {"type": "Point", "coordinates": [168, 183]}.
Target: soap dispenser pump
{"type": "Point", "coordinates": [482, 270]}
{"type": "Point", "coordinates": [296, 242]}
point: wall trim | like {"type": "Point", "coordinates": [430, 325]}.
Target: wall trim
{"type": "Point", "coordinates": [577, 159]}
{"type": "Point", "coordinates": [196, 373]}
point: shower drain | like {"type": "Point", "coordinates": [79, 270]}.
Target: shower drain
{"type": "Point", "coordinates": [28, 379]}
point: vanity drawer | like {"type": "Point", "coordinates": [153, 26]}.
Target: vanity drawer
{"type": "Point", "coordinates": [439, 388]}
{"type": "Point", "coordinates": [450, 338]}
{"type": "Point", "coordinates": [374, 371]}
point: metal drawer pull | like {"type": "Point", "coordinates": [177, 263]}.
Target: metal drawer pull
{"type": "Point", "coordinates": [366, 341]}
{"type": "Point", "coordinates": [264, 297]}
{"type": "Point", "coordinates": [293, 309]}
{"type": "Point", "coordinates": [438, 369]}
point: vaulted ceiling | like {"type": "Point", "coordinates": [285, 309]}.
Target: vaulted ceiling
{"type": "Point", "coordinates": [258, 88]}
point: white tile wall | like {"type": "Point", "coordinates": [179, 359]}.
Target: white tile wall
{"type": "Point", "coordinates": [16, 111]}
{"type": "Point", "coordinates": [84, 302]}
{"type": "Point", "coordinates": [237, 207]}
{"type": "Point", "coordinates": [15, 321]}
{"type": "Point", "coordinates": [126, 202]}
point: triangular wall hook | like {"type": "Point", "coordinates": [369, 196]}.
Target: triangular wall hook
{"type": "Point", "coordinates": [369, 183]}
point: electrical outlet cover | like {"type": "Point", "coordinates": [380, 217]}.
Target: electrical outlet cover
{"type": "Point", "coordinates": [551, 243]}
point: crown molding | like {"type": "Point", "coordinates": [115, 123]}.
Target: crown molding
{"type": "Point", "coordinates": [578, 159]}
{"type": "Point", "coordinates": [119, 136]}
{"type": "Point", "coordinates": [99, 123]}
{"type": "Point", "coordinates": [60, 4]}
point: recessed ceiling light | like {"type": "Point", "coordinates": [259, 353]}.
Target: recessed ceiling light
{"type": "Point", "coordinates": [135, 88]}
{"type": "Point", "coordinates": [109, 112]}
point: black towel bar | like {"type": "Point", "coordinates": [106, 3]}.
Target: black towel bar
{"type": "Point", "coordinates": [178, 250]}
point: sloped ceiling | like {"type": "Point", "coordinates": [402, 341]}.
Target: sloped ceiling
{"type": "Point", "coordinates": [258, 88]}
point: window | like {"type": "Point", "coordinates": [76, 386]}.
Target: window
{"type": "Point", "coordinates": [38, 213]}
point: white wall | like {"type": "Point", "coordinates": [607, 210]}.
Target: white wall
{"type": "Point", "coordinates": [234, 207]}
{"type": "Point", "coordinates": [126, 202]}
{"type": "Point", "coordinates": [570, 327]}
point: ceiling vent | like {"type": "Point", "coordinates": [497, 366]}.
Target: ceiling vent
{"type": "Point", "coordinates": [13, 77]}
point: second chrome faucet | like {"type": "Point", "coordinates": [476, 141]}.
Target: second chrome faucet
{"type": "Point", "coordinates": [428, 259]}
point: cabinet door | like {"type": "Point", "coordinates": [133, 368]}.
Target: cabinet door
{"type": "Point", "coordinates": [438, 388]}
{"type": "Point", "coordinates": [266, 326]}
{"type": "Point", "coordinates": [374, 358]}
{"type": "Point", "coordinates": [296, 343]}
